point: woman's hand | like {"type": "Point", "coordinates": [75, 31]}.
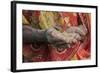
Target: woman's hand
{"type": "Point", "coordinates": [66, 39]}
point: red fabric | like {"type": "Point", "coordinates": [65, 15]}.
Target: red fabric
{"type": "Point", "coordinates": [67, 54]}
{"type": "Point", "coordinates": [72, 17]}
{"type": "Point", "coordinates": [82, 50]}
{"type": "Point", "coordinates": [37, 55]}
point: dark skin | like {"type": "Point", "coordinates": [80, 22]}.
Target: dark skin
{"type": "Point", "coordinates": [32, 35]}
{"type": "Point", "coordinates": [54, 37]}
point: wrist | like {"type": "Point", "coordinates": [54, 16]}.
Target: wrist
{"type": "Point", "coordinates": [39, 36]}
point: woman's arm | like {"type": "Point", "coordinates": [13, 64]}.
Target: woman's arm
{"type": "Point", "coordinates": [52, 36]}
{"type": "Point", "coordinates": [32, 35]}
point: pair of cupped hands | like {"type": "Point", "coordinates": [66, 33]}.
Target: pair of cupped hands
{"type": "Point", "coordinates": [67, 38]}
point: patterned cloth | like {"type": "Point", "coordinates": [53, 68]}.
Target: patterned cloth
{"type": "Point", "coordinates": [45, 52]}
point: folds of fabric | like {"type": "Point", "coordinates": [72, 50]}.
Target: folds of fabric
{"type": "Point", "coordinates": [79, 51]}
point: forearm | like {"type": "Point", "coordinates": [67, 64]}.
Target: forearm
{"type": "Point", "coordinates": [32, 35]}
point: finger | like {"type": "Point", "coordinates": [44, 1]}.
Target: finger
{"type": "Point", "coordinates": [77, 30]}
{"type": "Point", "coordinates": [73, 38]}
{"type": "Point", "coordinates": [70, 37]}
{"type": "Point", "coordinates": [77, 36]}
{"type": "Point", "coordinates": [69, 45]}
{"type": "Point", "coordinates": [74, 41]}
